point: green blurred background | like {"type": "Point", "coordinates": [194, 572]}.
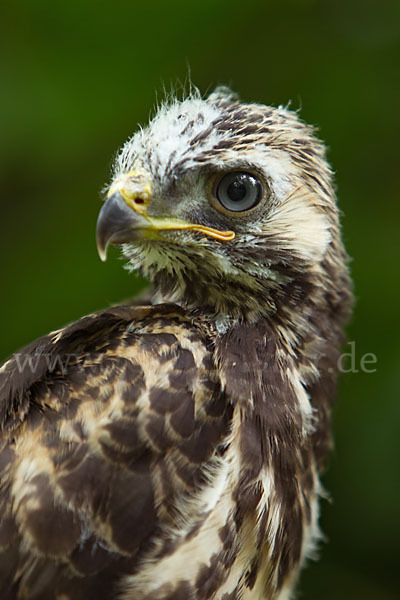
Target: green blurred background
{"type": "Point", "coordinates": [76, 78]}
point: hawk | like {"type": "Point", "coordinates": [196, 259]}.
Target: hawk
{"type": "Point", "coordinates": [171, 450]}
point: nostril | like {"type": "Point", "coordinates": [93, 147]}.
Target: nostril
{"type": "Point", "coordinates": [138, 200]}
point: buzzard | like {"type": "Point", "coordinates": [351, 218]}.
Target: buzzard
{"type": "Point", "coordinates": [171, 450]}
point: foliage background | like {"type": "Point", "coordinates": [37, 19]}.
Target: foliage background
{"type": "Point", "coordinates": [75, 79]}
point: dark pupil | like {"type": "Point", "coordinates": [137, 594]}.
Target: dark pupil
{"type": "Point", "coordinates": [236, 191]}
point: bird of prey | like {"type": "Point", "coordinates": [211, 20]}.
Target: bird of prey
{"type": "Point", "coordinates": [172, 450]}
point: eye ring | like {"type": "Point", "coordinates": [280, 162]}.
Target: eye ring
{"type": "Point", "coordinates": [238, 192]}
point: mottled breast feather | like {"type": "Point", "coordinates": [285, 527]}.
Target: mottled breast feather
{"type": "Point", "coordinates": [109, 425]}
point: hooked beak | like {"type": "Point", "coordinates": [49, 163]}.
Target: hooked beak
{"type": "Point", "coordinates": [117, 224]}
{"type": "Point", "coordinates": [124, 217]}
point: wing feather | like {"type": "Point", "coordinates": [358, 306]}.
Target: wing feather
{"type": "Point", "coordinates": [107, 427]}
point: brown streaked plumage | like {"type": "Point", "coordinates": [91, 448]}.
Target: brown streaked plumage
{"type": "Point", "coordinates": [171, 451]}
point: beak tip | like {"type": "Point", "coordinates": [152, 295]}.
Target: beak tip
{"type": "Point", "coordinates": [102, 251]}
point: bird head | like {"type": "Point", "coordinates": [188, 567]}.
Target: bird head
{"type": "Point", "coordinates": [225, 206]}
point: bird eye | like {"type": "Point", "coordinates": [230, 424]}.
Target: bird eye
{"type": "Point", "coordinates": [239, 191]}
